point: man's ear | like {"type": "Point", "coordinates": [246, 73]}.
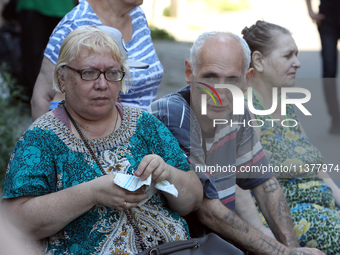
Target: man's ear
{"type": "Point", "coordinates": [249, 76]}
{"type": "Point", "coordinates": [257, 60]}
{"type": "Point", "coordinates": [188, 71]}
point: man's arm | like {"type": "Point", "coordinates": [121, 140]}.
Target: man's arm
{"type": "Point", "coordinates": [216, 216]}
{"type": "Point", "coordinates": [43, 92]}
{"type": "Point", "coordinates": [273, 205]}
{"type": "Point", "coordinates": [246, 209]}
{"type": "Point", "coordinates": [226, 223]}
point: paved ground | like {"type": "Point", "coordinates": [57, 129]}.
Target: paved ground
{"type": "Point", "coordinates": [195, 17]}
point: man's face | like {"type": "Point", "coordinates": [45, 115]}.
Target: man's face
{"type": "Point", "coordinates": [221, 61]}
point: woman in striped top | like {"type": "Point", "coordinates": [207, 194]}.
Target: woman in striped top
{"type": "Point", "coordinates": [130, 20]}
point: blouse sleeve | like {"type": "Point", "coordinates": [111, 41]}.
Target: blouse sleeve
{"type": "Point", "coordinates": [31, 170]}
{"type": "Point", "coordinates": [160, 141]}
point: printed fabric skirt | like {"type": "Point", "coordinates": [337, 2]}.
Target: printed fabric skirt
{"type": "Point", "coordinates": [316, 218]}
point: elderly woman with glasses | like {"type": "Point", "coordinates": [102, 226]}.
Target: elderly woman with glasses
{"type": "Point", "coordinates": [65, 179]}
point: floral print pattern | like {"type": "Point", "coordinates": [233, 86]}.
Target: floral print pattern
{"type": "Point", "coordinates": [316, 218]}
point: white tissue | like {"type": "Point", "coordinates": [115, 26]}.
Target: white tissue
{"type": "Point", "coordinates": [133, 183]}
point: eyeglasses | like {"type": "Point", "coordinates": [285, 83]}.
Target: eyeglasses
{"type": "Point", "coordinates": [91, 74]}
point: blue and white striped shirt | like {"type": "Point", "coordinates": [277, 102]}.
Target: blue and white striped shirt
{"type": "Point", "coordinates": [229, 146]}
{"type": "Point", "coordinates": [143, 88]}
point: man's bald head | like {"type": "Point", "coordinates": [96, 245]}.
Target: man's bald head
{"type": "Point", "coordinates": [211, 40]}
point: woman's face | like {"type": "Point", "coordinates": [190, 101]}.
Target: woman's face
{"type": "Point", "coordinates": [95, 99]}
{"type": "Point", "coordinates": [281, 64]}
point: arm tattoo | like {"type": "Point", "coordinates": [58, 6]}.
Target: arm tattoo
{"type": "Point", "coordinates": [270, 186]}
{"type": "Point", "coordinates": [237, 222]}
{"type": "Point", "coordinates": [283, 208]}
{"type": "Point", "coordinates": [297, 252]}
{"type": "Point", "coordinates": [272, 247]}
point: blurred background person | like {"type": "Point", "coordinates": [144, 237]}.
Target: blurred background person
{"type": "Point", "coordinates": [312, 196]}
{"type": "Point", "coordinates": [130, 20]}
{"type": "Point", "coordinates": [37, 19]}
{"type": "Point", "coordinates": [10, 30]}
{"type": "Point", "coordinates": [328, 23]}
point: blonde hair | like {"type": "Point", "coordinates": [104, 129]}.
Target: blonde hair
{"type": "Point", "coordinates": [94, 40]}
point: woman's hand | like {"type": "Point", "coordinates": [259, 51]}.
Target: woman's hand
{"type": "Point", "coordinates": [105, 192]}
{"type": "Point", "coordinates": [190, 191]}
{"type": "Point", "coordinates": [266, 231]}
{"type": "Point", "coordinates": [155, 165]}
{"type": "Point", "coordinates": [332, 185]}
{"type": "Point", "coordinates": [317, 18]}
{"type": "Point", "coordinates": [337, 197]}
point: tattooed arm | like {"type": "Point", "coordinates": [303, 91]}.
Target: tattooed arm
{"type": "Point", "coordinates": [246, 209]}
{"type": "Point", "coordinates": [273, 205]}
{"type": "Point", "coordinates": [227, 224]}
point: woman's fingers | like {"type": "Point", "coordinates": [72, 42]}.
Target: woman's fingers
{"type": "Point", "coordinates": [152, 164]}
{"type": "Point", "coordinates": [131, 200]}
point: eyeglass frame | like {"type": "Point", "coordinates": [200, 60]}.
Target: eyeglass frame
{"type": "Point", "coordinates": [80, 71]}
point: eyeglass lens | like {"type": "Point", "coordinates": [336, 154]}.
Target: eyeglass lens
{"type": "Point", "coordinates": [93, 74]}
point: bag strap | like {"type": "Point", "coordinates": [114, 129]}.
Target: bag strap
{"type": "Point", "coordinates": [128, 214]}
{"type": "Point", "coordinates": [170, 247]}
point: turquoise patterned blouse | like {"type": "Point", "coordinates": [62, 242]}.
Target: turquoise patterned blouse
{"type": "Point", "coordinates": [49, 158]}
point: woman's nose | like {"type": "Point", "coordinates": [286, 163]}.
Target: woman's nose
{"type": "Point", "coordinates": [297, 63]}
{"type": "Point", "coordinates": [101, 82]}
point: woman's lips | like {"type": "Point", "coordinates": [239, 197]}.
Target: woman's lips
{"type": "Point", "coordinates": [100, 98]}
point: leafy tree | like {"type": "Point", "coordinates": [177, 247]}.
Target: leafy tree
{"type": "Point", "coordinates": [14, 118]}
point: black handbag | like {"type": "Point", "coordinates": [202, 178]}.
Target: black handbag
{"type": "Point", "coordinates": [210, 244]}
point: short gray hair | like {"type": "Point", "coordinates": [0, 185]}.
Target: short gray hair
{"type": "Point", "coordinates": [203, 38]}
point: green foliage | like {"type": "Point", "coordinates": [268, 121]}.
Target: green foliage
{"type": "Point", "coordinates": [12, 121]}
{"type": "Point", "coordinates": [160, 34]}
{"type": "Point", "coordinates": [166, 12]}
{"type": "Point", "coordinates": [226, 5]}
{"type": "Point", "coordinates": [223, 5]}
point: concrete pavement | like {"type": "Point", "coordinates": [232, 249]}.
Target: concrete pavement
{"type": "Point", "coordinates": [195, 17]}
